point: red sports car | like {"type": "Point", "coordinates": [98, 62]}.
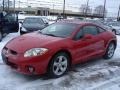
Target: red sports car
{"type": "Point", "coordinates": [57, 47]}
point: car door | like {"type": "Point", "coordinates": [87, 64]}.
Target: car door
{"type": "Point", "coordinates": [88, 43]}
{"type": "Point", "coordinates": [10, 23]}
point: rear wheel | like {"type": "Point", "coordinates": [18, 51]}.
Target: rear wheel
{"type": "Point", "coordinates": [110, 51]}
{"type": "Point", "coordinates": [59, 65]}
{"type": "Point", "coordinates": [0, 36]}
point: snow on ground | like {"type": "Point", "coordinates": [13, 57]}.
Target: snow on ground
{"type": "Point", "coordinates": [97, 74]}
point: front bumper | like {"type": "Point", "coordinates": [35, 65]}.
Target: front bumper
{"type": "Point", "coordinates": [23, 65]}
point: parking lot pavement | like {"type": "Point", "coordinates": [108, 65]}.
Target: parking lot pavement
{"type": "Point", "coordinates": [85, 76]}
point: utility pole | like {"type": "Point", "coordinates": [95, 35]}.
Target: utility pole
{"type": "Point", "coordinates": [64, 9]}
{"type": "Point", "coordinates": [104, 10]}
{"type": "Point", "coordinates": [3, 5]}
{"type": "Point", "coordinates": [118, 17]}
{"type": "Point", "coordinates": [14, 6]}
{"type": "Point", "coordinates": [8, 5]}
{"type": "Point", "coordinates": [53, 8]}
{"type": "Point", "coordinates": [86, 8]}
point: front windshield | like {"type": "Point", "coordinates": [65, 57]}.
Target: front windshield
{"type": "Point", "coordinates": [59, 30]}
{"type": "Point", "coordinates": [32, 20]}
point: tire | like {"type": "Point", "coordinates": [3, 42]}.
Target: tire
{"type": "Point", "coordinates": [0, 36]}
{"type": "Point", "coordinates": [110, 51]}
{"type": "Point", "coordinates": [59, 65]}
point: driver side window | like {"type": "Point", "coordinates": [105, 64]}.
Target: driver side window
{"type": "Point", "coordinates": [90, 30]}
{"type": "Point", "coordinates": [79, 35]}
{"type": "Point", "coordinates": [93, 30]}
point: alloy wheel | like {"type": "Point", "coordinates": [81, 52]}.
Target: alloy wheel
{"type": "Point", "coordinates": [111, 50]}
{"type": "Point", "coordinates": [60, 65]}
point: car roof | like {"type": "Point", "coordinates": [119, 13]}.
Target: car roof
{"type": "Point", "coordinates": [75, 21]}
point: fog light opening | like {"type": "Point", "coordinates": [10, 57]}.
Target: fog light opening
{"type": "Point", "coordinates": [31, 69]}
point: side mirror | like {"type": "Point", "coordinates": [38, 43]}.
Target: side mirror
{"type": "Point", "coordinates": [87, 36]}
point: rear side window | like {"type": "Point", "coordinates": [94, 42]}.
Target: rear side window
{"type": "Point", "coordinates": [101, 30]}
{"type": "Point", "coordinates": [90, 30]}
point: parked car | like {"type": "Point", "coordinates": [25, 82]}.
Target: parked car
{"type": "Point", "coordinates": [116, 26]}
{"type": "Point", "coordinates": [31, 24]}
{"type": "Point", "coordinates": [8, 24]}
{"type": "Point", "coordinates": [57, 47]}
{"type": "Point", "coordinates": [105, 25]}
{"type": "Point", "coordinates": [110, 28]}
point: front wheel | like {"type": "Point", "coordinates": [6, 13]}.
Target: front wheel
{"type": "Point", "coordinates": [59, 65]}
{"type": "Point", "coordinates": [110, 51]}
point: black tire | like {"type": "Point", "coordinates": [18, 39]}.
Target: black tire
{"type": "Point", "coordinates": [1, 36]}
{"type": "Point", "coordinates": [109, 54]}
{"type": "Point", "coordinates": [55, 59]}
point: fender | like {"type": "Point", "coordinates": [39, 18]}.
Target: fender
{"type": "Point", "coordinates": [113, 39]}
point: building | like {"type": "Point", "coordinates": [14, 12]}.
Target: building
{"type": "Point", "coordinates": [41, 11]}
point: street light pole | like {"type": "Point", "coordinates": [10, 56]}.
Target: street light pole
{"type": "Point", "coordinates": [118, 13]}
{"type": "Point", "coordinates": [14, 6]}
{"type": "Point", "coordinates": [104, 9]}
{"type": "Point", "coordinates": [3, 5]}
{"type": "Point", "coordinates": [64, 9]}
{"type": "Point", "coordinates": [8, 5]}
{"type": "Point", "coordinates": [86, 8]}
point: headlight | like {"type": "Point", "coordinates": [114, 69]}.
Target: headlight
{"type": "Point", "coordinates": [35, 52]}
{"type": "Point", "coordinates": [23, 29]}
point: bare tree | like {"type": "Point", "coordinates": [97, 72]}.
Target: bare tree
{"type": "Point", "coordinates": [85, 9]}
{"type": "Point", "coordinates": [99, 10]}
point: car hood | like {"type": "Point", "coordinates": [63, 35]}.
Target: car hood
{"type": "Point", "coordinates": [31, 40]}
{"type": "Point", "coordinates": [33, 27]}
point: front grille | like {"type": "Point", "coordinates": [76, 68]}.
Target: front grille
{"type": "Point", "coordinates": [10, 51]}
{"type": "Point", "coordinates": [4, 59]}
{"type": "Point", "coordinates": [7, 62]}
{"type": "Point", "coordinates": [13, 52]}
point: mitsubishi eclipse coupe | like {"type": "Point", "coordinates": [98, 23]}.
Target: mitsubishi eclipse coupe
{"type": "Point", "coordinates": [57, 47]}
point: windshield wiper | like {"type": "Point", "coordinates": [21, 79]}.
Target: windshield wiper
{"type": "Point", "coordinates": [51, 35]}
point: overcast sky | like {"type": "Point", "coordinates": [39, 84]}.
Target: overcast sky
{"type": "Point", "coordinates": [111, 5]}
